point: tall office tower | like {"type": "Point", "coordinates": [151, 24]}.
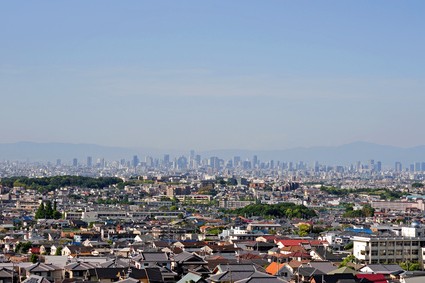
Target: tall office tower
{"type": "Point", "coordinates": [89, 161]}
{"type": "Point", "coordinates": [102, 163]}
{"type": "Point", "coordinates": [149, 161]}
{"type": "Point", "coordinates": [122, 162]}
{"type": "Point", "coordinates": [358, 166]}
{"type": "Point", "coordinates": [378, 166]}
{"type": "Point", "coordinates": [246, 165]}
{"type": "Point", "coordinates": [135, 161]}
{"type": "Point", "coordinates": [214, 162]}
{"type": "Point", "coordinates": [236, 161]}
{"type": "Point", "coordinates": [271, 164]}
{"type": "Point", "coordinates": [254, 161]}
{"type": "Point", "coordinates": [398, 166]}
{"type": "Point", "coordinates": [198, 159]}
{"type": "Point", "coordinates": [316, 166]}
{"type": "Point", "coordinates": [58, 162]}
{"type": "Point", "coordinates": [192, 154]}
{"type": "Point", "coordinates": [423, 166]}
{"type": "Point", "coordinates": [372, 165]}
{"type": "Point", "coordinates": [182, 162]}
{"type": "Point", "coordinates": [291, 166]}
{"type": "Point", "coordinates": [417, 166]}
{"type": "Point", "coordinates": [412, 167]}
{"type": "Point", "coordinates": [75, 162]}
{"type": "Point", "coordinates": [229, 163]}
{"type": "Point", "coordinates": [166, 160]}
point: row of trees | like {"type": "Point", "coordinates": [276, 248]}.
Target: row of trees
{"type": "Point", "coordinates": [47, 211]}
{"type": "Point", "coordinates": [366, 211]}
{"type": "Point", "coordinates": [48, 184]}
{"type": "Point", "coordinates": [280, 210]}
{"type": "Point", "coordinates": [382, 193]}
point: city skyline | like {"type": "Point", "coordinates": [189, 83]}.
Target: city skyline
{"type": "Point", "coordinates": [218, 75]}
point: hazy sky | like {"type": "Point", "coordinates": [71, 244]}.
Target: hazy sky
{"type": "Point", "coordinates": [213, 74]}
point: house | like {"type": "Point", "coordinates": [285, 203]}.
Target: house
{"type": "Point", "coordinates": [259, 246]}
{"type": "Point", "coordinates": [222, 250]}
{"type": "Point", "coordinates": [49, 271]}
{"type": "Point", "coordinates": [385, 269]}
{"type": "Point", "coordinates": [274, 268]}
{"type": "Point", "coordinates": [236, 272]}
{"type": "Point", "coordinates": [372, 278]}
{"type": "Point", "coordinates": [6, 275]}
{"type": "Point", "coordinates": [152, 259]}
{"type": "Point", "coordinates": [75, 251]}
{"type": "Point", "coordinates": [322, 253]}
{"type": "Point", "coordinates": [193, 277]}
{"type": "Point", "coordinates": [108, 275]}
{"type": "Point", "coordinates": [260, 279]}
{"type": "Point", "coordinates": [288, 270]}
{"type": "Point", "coordinates": [77, 270]}
{"type": "Point", "coordinates": [36, 279]}
{"type": "Point", "coordinates": [184, 262]}
{"type": "Point", "coordinates": [190, 246]}
{"type": "Point", "coordinates": [334, 278]}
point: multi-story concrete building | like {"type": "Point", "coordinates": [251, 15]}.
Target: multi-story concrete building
{"type": "Point", "coordinates": [409, 246]}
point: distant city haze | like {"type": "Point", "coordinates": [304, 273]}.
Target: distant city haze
{"type": "Point", "coordinates": [208, 75]}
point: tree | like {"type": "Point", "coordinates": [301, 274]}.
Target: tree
{"type": "Point", "coordinates": [349, 246]}
{"type": "Point", "coordinates": [49, 210]}
{"type": "Point", "coordinates": [41, 212]}
{"type": "Point", "coordinates": [410, 266]}
{"type": "Point", "coordinates": [34, 258]}
{"type": "Point", "coordinates": [58, 251]}
{"type": "Point", "coordinates": [348, 259]}
{"type": "Point", "coordinates": [303, 230]}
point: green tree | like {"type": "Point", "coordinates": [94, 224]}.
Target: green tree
{"type": "Point", "coordinates": [410, 266]}
{"type": "Point", "coordinates": [49, 210]}
{"type": "Point", "coordinates": [349, 246]}
{"type": "Point", "coordinates": [303, 230]}
{"type": "Point", "coordinates": [41, 212]}
{"type": "Point", "coordinates": [58, 251]}
{"type": "Point", "coordinates": [34, 258]}
{"type": "Point", "coordinates": [348, 259]}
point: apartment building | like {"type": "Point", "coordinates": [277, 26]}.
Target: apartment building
{"type": "Point", "coordinates": [409, 246]}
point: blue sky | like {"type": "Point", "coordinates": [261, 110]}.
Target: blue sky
{"type": "Point", "coordinates": [212, 74]}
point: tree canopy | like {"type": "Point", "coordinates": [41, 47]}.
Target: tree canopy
{"type": "Point", "coordinates": [280, 210]}
{"type": "Point", "coordinates": [47, 211]}
{"type": "Point", "coordinates": [47, 184]}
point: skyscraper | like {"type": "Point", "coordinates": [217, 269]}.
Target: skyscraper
{"type": "Point", "coordinates": [89, 161]}
{"type": "Point", "coordinates": [135, 161]}
{"type": "Point", "coordinates": [398, 166]}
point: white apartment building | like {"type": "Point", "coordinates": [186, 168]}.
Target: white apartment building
{"type": "Point", "coordinates": [409, 246]}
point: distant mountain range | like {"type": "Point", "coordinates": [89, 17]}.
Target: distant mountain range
{"type": "Point", "coordinates": [332, 155]}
